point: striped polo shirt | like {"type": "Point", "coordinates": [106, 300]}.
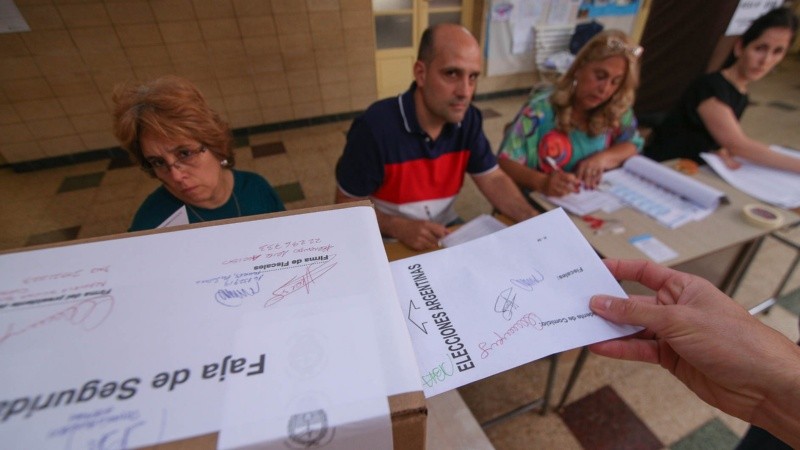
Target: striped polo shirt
{"type": "Point", "coordinates": [391, 160]}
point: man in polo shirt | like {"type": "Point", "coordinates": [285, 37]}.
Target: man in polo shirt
{"type": "Point", "coordinates": [409, 154]}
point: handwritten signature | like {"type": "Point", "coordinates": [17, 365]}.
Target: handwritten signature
{"type": "Point", "coordinates": [233, 297]}
{"type": "Point", "coordinates": [529, 282]}
{"type": "Point", "coordinates": [88, 314]}
{"type": "Point", "coordinates": [438, 373]}
{"type": "Point", "coordinates": [505, 303]}
{"type": "Point", "coordinates": [106, 429]}
{"type": "Point", "coordinates": [312, 272]}
{"type": "Point", "coordinates": [529, 320]}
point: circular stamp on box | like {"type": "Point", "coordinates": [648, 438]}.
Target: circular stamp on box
{"type": "Point", "coordinates": [763, 216]}
{"type": "Point", "coordinates": [309, 430]}
{"type": "Point", "coordinates": [307, 354]}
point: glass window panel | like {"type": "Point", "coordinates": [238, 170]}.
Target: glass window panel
{"type": "Point", "coordinates": [445, 17]}
{"type": "Point", "coordinates": [394, 31]}
{"type": "Point", "coordinates": [388, 5]}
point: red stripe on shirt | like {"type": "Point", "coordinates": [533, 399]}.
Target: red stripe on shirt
{"type": "Point", "coordinates": [424, 179]}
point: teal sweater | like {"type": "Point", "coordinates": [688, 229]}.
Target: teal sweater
{"type": "Point", "coordinates": [252, 191]}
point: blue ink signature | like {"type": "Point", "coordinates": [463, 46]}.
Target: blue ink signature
{"type": "Point", "coordinates": [104, 429]}
{"type": "Point", "coordinates": [529, 282]}
{"type": "Point", "coordinates": [233, 297]}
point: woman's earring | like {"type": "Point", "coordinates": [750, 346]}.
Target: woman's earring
{"type": "Point", "coordinates": [224, 163]}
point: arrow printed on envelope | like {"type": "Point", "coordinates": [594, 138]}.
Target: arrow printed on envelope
{"type": "Point", "coordinates": [413, 307]}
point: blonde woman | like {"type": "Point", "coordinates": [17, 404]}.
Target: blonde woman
{"type": "Point", "coordinates": [567, 137]}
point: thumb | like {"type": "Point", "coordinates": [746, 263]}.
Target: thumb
{"type": "Point", "coordinates": [623, 311]}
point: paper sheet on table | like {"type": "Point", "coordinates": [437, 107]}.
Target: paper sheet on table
{"type": "Point", "coordinates": [503, 300]}
{"type": "Point", "coordinates": [152, 319]}
{"type": "Point", "coordinates": [778, 187]}
{"type": "Point", "coordinates": [179, 217]}
{"type": "Point", "coordinates": [587, 201]}
{"type": "Point", "coordinates": [653, 247]}
{"type": "Point", "coordinates": [11, 20]}
{"type": "Point", "coordinates": [478, 227]}
{"type": "Point", "coordinates": [673, 199]}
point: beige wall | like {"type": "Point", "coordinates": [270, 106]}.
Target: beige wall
{"type": "Point", "coordinates": [258, 61]}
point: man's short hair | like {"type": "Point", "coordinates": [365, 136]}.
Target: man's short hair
{"type": "Point", "coordinates": [426, 51]}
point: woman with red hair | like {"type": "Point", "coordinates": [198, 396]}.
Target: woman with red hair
{"type": "Point", "coordinates": [173, 134]}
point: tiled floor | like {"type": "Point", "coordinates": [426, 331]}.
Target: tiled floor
{"type": "Point", "coordinates": [615, 405]}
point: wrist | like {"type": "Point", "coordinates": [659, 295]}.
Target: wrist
{"type": "Point", "coordinates": [390, 225]}
{"type": "Point", "coordinates": [538, 181]}
{"type": "Point", "coordinates": [778, 412]}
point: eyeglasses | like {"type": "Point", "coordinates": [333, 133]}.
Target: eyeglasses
{"type": "Point", "coordinates": [184, 158]}
{"type": "Point", "coordinates": [618, 45]}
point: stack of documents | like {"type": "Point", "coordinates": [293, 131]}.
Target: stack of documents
{"type": "Point", "coordinates": [480, 226]}
{"type": "Point", "coordinates": [551, 39]}
{"type": "Point", "coordinates": [778, 187]}
{"type": "Point", "coordinates": [673, 199]}
{"type": "Point", "coordinates": [587, 201]}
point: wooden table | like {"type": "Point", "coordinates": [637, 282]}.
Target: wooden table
{"type": "Point", "coordinates": [723, 230]}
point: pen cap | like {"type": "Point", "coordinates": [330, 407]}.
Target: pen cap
{"type": "Point", "coordinates": [555, 145]}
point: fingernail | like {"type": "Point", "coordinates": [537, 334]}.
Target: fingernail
{"type": "Point", "coordinates": [600, 302]}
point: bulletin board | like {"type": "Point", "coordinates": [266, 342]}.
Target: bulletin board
{"type": "Point", "coordinates": [510, 48]}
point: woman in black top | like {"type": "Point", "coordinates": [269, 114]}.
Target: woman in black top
{"type": "Point", "coordinates": [706, 118]}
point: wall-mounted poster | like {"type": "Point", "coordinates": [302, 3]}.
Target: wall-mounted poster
{"type": "Point", "coordinates": [600, 8]}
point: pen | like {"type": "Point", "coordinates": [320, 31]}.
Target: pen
{"type": "Point", "coordinates": [430, 217]}
{"type": "Point", "coordinates": [552, 163]}
{"type": "Point", "coordinates": [428, 212]}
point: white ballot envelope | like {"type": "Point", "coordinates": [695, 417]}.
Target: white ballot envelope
{"type": "Point", "coordinates": [503, 300]}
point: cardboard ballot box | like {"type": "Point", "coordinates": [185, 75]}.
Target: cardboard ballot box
{"type": "Point", "coordinates": [280, 330]}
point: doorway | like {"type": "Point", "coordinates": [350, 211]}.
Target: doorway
{"type": "Point", "coordinates": [398, 27]}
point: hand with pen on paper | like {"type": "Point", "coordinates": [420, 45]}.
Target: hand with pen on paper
{"type": "Point", "coordinates": [415, 233]}
{"type": "Point", "coordinates": [419, 234]}
{"type": "Point", "coordinates": [559, 183]}
{"type": "Point", "coordinates": [585, 122]}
